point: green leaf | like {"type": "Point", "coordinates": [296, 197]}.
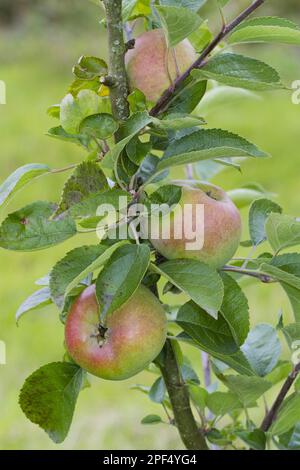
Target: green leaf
{"type": "Point", "coordinates": [213, 336]}
{"type": "Point", "coordinates": [19, 178]}
{"type": "Point", "coordinates": [235, 309]}
{"type": "Point", "coordinates": [48, 397]}
{"type": "Point", "coordinates": [207, 144]}
{"type": "Point", "coordinates": [74, 110]}
{"type": "Point", "coordinates": [248, 389]}
{"type": "Point", "coordinates": [258, 214]}
{"type": "Point", "coordinates": [89, 67]}
{"type": "Point", "coordinates": [88, 207]}
{"type": "Point", "coordinates": [177, 121]}
{"type": "Point", "coordinates": [236, 361]}
{"type": "Point", "coordinates": [158, 391]}
{"type": "Point", "coordinates": [31, 228]}
{"type": "Point", "coordinates": [193, 5]}
{"type": "Point", "coordinates": [266, 29]}
{"type": "Point", "coordinates": [128, 130]}
{"type": "Point", "coordinates": [187, 97]}
{"type": "Point", "coordinates": [137, 101]}
{"type": "Point", "coordinates": [121, 276]}
{"type": "Point", "coordinates": [202, 283]}
{"type": "Point", "coordinates": [198, 396]}
{"type": "Point", "coordinates": [262, 349]}
{"type": "Point", "coordinates": [280, 372]}
{"type": "Point", "coordinates": [151, 419]}
{"type": "Point", "coordinates": [255, 439]}
{"type": "Point", "coordinates": [221, 403]}
{"type": "Point", "coordinates": [137, 150]}
{"type": "Point", "coordinates": [283, 231]}
{"type": "Point", "coordinates": [178, 23]}
{"type": "Point", "coordinates": [148, 169]}
{"type": "Point", "coordinates": [99, 126]}
{"type": "Point", "coordinates": [290, 263]}
{"type": "Point", "coordinates": [288, 415]}
{"type": "Point", "coordinates": [240, 71]}
{"type": "Point", "coordinates": [201, 37]}
{"type": "Point", "coordinates": [292, 333]}
{"type": "Point", "coordinates": [60, 134]}
{"type": "Point", "coordinates": [281, 275]}
{"type": "Point", "coordinates": [135, 8]}
{"type": "Point", "coordinates": [243, 197]}
{"type": "Point", "coordinates": [87, 178]}
{"type": "Point", "coordinates": [37, 300]}
{"type": "Point", "coordinates": [67, 270]}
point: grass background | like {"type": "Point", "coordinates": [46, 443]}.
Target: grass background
{"type": "Point", "coordinates": [37, 52]}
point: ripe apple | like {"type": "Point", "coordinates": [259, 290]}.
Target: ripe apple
{"type": "Point", "coordinates": [151, 66]}
{"type": "Point", "coordinates": [221, 229]}
{"type": "Point", "coordinates": [131, 338]}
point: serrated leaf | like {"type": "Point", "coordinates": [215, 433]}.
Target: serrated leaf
{"type": "Point", "coordinates": [59, 133]}
{"type": "Point", "coordinates": [74, 109]}
{"type": "Point", "coordinates": [121, 276]}
{"type": "Point", "coordinates": [256, 439]}
{"type": "Point", "coordinates": [235, 309]}
{"type": "Point", "coordinates": [266, 29]}
{"type": "Point", "coordinates": [31, 228]}
{"type": "Point", "coordinates": [99, 126]}
{"type": "Point", "coordinates": [135, 8]}
{"type": "Point", "coordinates": [290, 263]}
{"type": "Point", "coordinates": [87, 178]}
{"type": "Point", "coordinates": [116, 198]}
{"type": "Point", "coordinates": [213, 336]}
{"type": "Point", "coordinates": [240, 71]}
{"type": "Point", "coordinates": [70, 267]}
{"type": "Point", "coordinates": [89, 67]}
{"type": "Point", "coordinates": [283, 231]}
{"type": "Point", "coordinates": [248, 389]}
{"type": "Point", "coordinates": [48, 397]}
{"type": "Point", "coordinates": [178, 23]}
{"type": "Point", "coordinates": [262, 349]}
{"type": "Point", "coordinates": [177, 121]}
{"type": "Point", "coordinates": [288, 415]}
{"type": "Point", "coordinates": [221, 403]}
{"type": "Point", "coordinates": [19, 178]}
{"type": "Point", "coordinates": [236, 361]}
{"type": "Point", "coordinates": [202, 283]}
{"type": "Point", "coordinates": [258, 214]}
{"type": "Point", "coordinates": [128, 130]}
{"type": "Point", "coordinates": [207, 144]}
{"type": "Point", "coordinates": [187, 97]}
{"type": "Point", "coordinates": [292, 333]}
{"type": "Point", "coordinates": [37, 300]}
{"type": "Point", "coordinates": [193, 5]}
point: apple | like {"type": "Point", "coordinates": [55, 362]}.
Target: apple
{"type": "Point", "coordinates": [152, 67]}
{"type": "Point", "coordinates": [221, 229]}
{"type": "Point", "coordinates": [129, 341]}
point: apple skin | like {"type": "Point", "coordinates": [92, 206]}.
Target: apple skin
{"type": "Point", "coordinates": [222, 226]}
{"type": "Point", "coordinates": [149, 62]}
{"type": "Point", "coordinates": [135, 335]}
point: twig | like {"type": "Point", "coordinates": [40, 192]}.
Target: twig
{"type": "Point", "coordinates": [247, 272]}
{"type": "Point", "coordinates": [163, 102]}
{"type": "Point", "coordinates": [119, 92]}
{"type": "Point", "coordinates": [272, 414]}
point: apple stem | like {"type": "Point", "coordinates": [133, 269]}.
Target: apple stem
{"type": "Point", "coordinates": [191, 435]}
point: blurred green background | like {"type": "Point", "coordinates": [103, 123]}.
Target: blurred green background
{"type": "Point", "coordinates": [40, 40]}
